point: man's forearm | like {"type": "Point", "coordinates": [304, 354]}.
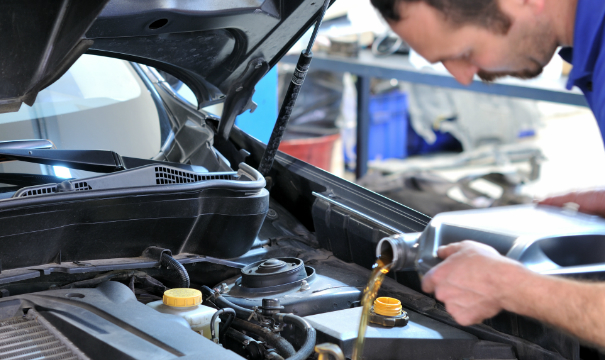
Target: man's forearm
{"type": "Point", "coordinates": [577, 307]}
{"type": "Point", "coordinates": [475, 282]}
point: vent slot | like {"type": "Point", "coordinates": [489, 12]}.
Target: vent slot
{"type": "Point", "coordinates": [24, 337]}
{"type": "Point", "coordinates": [81, 186]}
{"type": "Point", "coordinates": [142, 176]}
{"type": "Point", "coordinates": [165, 175]}
{"type": "Point", "coordinates": [42, 190]}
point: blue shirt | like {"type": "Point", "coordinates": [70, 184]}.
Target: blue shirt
{"type": "Point", "coordinates": [588, 56]}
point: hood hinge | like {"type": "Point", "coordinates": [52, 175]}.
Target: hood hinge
{"type": "Point", "coordinates": [239, 98]}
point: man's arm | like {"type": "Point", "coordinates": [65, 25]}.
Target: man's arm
{"type": "Point", "coordinates": [475, 282]}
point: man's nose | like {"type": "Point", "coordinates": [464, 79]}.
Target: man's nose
{"type": "Point", "coordinates": [463, 71]}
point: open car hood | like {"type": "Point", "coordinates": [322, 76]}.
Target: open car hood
{"type": "Point", "coordinates": [219, 48]}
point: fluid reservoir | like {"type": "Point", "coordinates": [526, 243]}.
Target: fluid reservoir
{"type": "Point", "coordinates": [186, 304]}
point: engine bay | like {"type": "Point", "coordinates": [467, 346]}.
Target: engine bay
{"type": "Point", "coordinates": [267, 271]}
{"type": "Point", "coordinates": [101, 309]}
{"type": "Point", "coordinates": [103, 315]}
{"type": "Point", "coordinates": [277, 264]}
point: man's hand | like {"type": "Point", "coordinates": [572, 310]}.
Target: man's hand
{"type": "Point", "coordinates": [475, 282]}
{"type": "Point", "coordinates": [591, 201]}
{"type": "Point", "coordinates": [471, 281]}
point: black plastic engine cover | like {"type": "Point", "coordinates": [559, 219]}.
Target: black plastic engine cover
{"type": "Point", "coordinates": [218, 218]}
{"type": "Point", "coordinates": [106, 322]}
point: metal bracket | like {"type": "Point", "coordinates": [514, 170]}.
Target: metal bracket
{"type": "Point", "coordinates": [326, 351]}
{"type": "Point", "coordinates": [239, 98]}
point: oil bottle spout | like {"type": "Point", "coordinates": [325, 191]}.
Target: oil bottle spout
{"type": "Point", "coordinates": [400, 250]}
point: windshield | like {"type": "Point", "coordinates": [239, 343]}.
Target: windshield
{"type": "Point", "coordinates": [99, 103]}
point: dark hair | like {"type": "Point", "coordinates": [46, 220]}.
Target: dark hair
{"type": "Point", "coordinates": [484, 13]}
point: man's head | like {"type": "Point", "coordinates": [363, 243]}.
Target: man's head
{"type": "Point", "coordinates": [490, 38]}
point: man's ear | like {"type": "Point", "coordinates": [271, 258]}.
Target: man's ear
{"type": "Point", "coordinates": [537, 6]}
{"type": "Point", "coordinates": [517, 8]}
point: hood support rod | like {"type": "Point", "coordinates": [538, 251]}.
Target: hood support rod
{"type": "Point", "coordinates": [302, 67]}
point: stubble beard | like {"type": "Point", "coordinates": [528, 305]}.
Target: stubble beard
{"type": "Point", "coordinates": [537, 48]}
{"type": "Point", "coordinates": [489, 77]}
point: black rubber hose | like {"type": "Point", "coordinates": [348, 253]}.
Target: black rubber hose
{"type": "Point", "coordinates": [207, 292]}
{"type": "Point", "coordinates": [310, 336]}
{"type": "Point", "coordinates": [171, 263]}
{"type": "Point", "coordinates": [283, 347]}
{"type": "Point", "coordinates": [272, 355]}
{"type": "Point", "coordinates": [227, 323]}
{"type": "Point", "coordinates": [226, 326]}
{"type": "Point", "coordinates": [241, 312]}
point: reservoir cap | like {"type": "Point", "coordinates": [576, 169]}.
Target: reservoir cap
{"type": "Point", "coordinates": [182, 297]}
{"type": "Point", "coordinates": [387, 306]}
{"type": "Point", "coordinates": [388, 312]}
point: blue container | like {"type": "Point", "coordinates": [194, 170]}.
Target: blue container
{"type": "Point", "coordinates": [444, 142]}
{"type": "Point", "coordinates": [388, 126]}
{"type": "Point", "coordinates": [260, 123]}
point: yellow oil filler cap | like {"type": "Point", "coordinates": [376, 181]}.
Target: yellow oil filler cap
{"type": "Point", "coordinates": [385, 306]}
{"type": "Point", "coordinates": [182, 297]}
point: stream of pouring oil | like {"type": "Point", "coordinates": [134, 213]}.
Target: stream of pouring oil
{"type": "Point", "coordinates": [379, 270]}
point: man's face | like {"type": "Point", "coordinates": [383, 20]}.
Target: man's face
{"type": "Point", "coordinates": [470, 49]}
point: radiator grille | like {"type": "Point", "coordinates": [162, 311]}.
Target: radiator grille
{"type": "Point", "coordinates": [26, 338]}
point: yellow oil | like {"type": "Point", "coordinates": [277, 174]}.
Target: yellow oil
{"type": "Point", "coordinates": [379, 270]}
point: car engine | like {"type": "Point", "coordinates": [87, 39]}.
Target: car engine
{"type": "Point", "coordinates": [100, 309]}
{"type": "Point", "coordinates": [105, 316]}
{"type": "Point", "coordinates": [157, 260]}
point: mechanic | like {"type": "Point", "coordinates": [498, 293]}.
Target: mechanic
{"type": "Point", "coordinates": [491, 39]}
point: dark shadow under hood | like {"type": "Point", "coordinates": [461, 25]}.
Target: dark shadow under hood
{"type": "Point", "coordinates": [219, 48]}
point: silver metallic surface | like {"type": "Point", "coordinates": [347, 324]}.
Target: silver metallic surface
{"type": "Point", "coordinates": [546, 239]}
{"type": "Point", "coordinates": [340, 327]}
{"type": "Point", "coordinates": [326, 350]}
{"type": "Point", "coordinates": [304, 286]}
{"type": "Point", "coordinates": [224, 288]}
